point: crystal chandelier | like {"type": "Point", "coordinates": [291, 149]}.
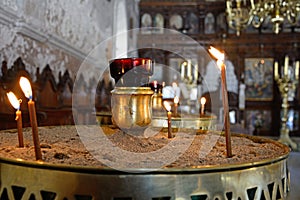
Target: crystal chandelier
{"type": "Point", "coordinates": [240, 14]}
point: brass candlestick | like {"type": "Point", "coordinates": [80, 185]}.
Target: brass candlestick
{"type": "Point", "coordinates": [286, 85]}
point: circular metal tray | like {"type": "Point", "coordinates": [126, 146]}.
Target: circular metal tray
{"type": "Point", "coordinates": [266, 179]}
{"type": "Point", "coordinates": [202, 123]}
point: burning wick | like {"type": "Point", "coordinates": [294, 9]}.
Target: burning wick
{"type": "Point", "coordinates": [26, 88]}
{"type": "Point", "coordinates": [169, 114]}
{"type": "Point", "coordinates": [220, 62]}
{"type": "Point", "coordinates": [16, 104]}
{"type": "Point", "coordinates": [176, 101]}
{"type": "Point", "coordinates": [202, 102]}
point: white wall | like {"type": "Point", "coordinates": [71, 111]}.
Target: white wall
{"type": "Point", "coordinates": [60, 33]}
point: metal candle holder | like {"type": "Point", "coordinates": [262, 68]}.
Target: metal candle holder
{"type": "Point", "coordinates": [131, 98]}
{"type": "Point", "coordinates": [286, 85]}
{"type": "Point", "coordinates": [265, 179]}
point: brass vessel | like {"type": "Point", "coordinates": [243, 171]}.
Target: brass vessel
{"type": "Point", "coordinates": [132, 107]}
{"type": "Point", "coordinates": [157, 105]}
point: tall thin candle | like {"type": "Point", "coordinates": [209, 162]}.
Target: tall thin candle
{"type": "Point", "coordinates": [16, 104]}
{"type": "Point", "coordinates": [297, 70]}
{"type": "Point", "coordinates": [169, 115]}
{"type": "Point", "coordinates": [286, 65]}
{"type": "Point", "coordinates": [220, 62]}
{"type": "Point", "coordinates": [202, 102]}
{"type": "Point", "coordinates": [176, 101]}
{"type": "Point", "coordinates": [276, 76]}
{"type": "Point", "coordinates": [26, 88]}
{"type": "Point", "coordinates": [189, 68]}
{"type": "Point", "coordinates": [182, 73]}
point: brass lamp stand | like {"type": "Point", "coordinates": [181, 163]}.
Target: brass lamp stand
{"type": "Point", "coordinates": [286, 85]}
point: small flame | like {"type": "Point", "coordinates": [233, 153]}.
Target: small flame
{"type": "Point", "coordinates": [167, 106]}
{"type": "Point", "coordinates": [202, 100]}
{"type": "Point", "coordinates": [218, 55]}
{"type": "Point", "coordinates": [176, 99]}
{"type": "Point", "coordinates": [13, 100]}
{"type": "Point", "coordinates": [26, 87]}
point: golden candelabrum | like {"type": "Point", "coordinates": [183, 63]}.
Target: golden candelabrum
{"type": "Point", "coordinates": [241, 13]}
{"type": "Point", "coordinates": [238, 15]}
{"type": "Point", "coordinates": [287, 85]}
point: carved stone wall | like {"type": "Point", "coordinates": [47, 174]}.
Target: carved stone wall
{"type": "Point", "coordinates": [55, 32]}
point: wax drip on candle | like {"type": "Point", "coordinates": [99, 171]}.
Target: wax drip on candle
{"type": "Point", "coordinates": [26, 88]}
{"type": "Point", "coordinates": [220, 62]}
{"type": "Point", "coordinates": [16, 104]}
{"type": "Point", "coordinates": [169, 114]}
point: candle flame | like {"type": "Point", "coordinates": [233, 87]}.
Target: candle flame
{"type": "Point", "coordinates": [176, 99]}
{"type": "Point", "coordinates": [167, 106]}
{"type": "Point", "coordinates": [202, 100]}
{"type": "Point", "coordinates": [13, 100]}
{"type": "Point", "coordinates": [218, 55]}
{"type": "Point", "coordinates": [26, 87]}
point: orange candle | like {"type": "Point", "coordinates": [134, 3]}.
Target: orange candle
{"type": "Point", "coordinates": [169, 115]}
{"type": "Point", "coordinates": [26, 88]}
{"type": "Point", "coordinates": [220, 62]}
{"type": "Point", "coordinates": [19, 125]}
{"type": "Point", "coordinates": [16, 104]}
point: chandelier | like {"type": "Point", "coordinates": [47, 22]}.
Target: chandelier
{"type": "Point", "coordinates": [241, 13]}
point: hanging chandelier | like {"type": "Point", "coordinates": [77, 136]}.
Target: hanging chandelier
{"type": "Point", "coordinates": [241, 13]}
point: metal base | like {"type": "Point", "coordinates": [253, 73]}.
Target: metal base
{"type": "Point", "coordinates": [285, 139]}
{"type": "Point", "coordinates": [201, 123]}
{"type": "Point", "coordinates": [267, 179]}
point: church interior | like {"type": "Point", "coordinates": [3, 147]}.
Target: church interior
{"type": "Point", "coordinates": [66, 49]}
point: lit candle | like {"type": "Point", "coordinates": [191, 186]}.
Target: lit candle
{"type": "Point", "coordinates": [196, 73]}
{"type": "Point", "coordinates": [297, 70]}
{"type": "Point", "coordinates": [276, 70]}
{"type": "Point", "coordinates": [16, 104]}
{"type": "Point", "coordinates": [169, 114]}
{"type": "Point", "coordinates": [220, 62]}
{"type": "Point", "coordinates": [286, 66]}
{"type": "Point", "coordinates": [182, 70]}
{"type": "Point", "coordinates": [176, 101]}
{"type": "Point", "coordinates": [202, 102]}
{"type": "Point", "coordinates": [189, 69]}
{"type": "Point", "coordinates": [26, 88]}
